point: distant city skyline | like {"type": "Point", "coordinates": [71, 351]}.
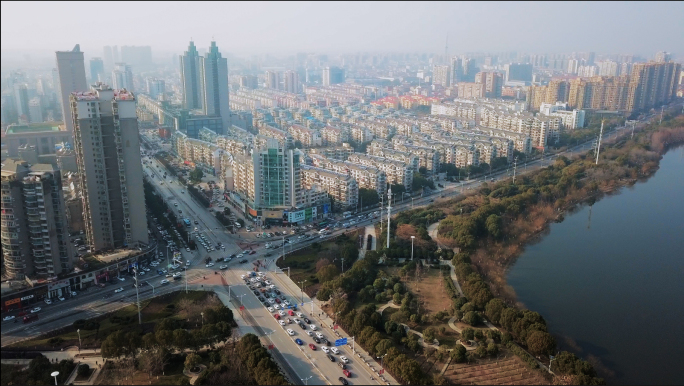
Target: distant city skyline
{"type": "Point", "coordinates": [282, 28]}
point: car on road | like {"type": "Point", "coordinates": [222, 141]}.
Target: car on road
{"type": "Point", "coordinates": [282, 323]}
{"type": "Point", "coordinates": [33, 311]}
{"type": "Point", "coordinates": [8, 317]}
{"type": "Point", "coordinates": [299, 341]}
{"type": "Point", "coordinates": [270, 309]}
{"type": "Point", "coordinates": [48, 301]}
{"type": "Point", "coordinates": [307, 321]}
{"type": "Point", "coordinates": [242, 261]}
{"type": "Point", "coordinates": [281, 313]}
{"type": "Point", "coordinates": [312, 346]}
{"type": "Point", "coordinates": [73, 293]}
{"type": "Point", "coordinates": [335, 350]}
{"type": "Point", "coordinates": [342, 365]}
{"type": "Point", "coordinates": [164, 282]}
{"type": "Point", "coordinates": [347, 373]}
{"type": "Point", "coordinates": [209, 265]}
{"type": "Point", "coordinates": [317, 340]}
{"type": "Point", "coordinates": [122, 278]}
{"type": "Point", "coordinates": [344, 359]}
{"type": "Point", "coordinates": [325, 349]}
{"type": "Point", "coordinates": [120, 289]}
{"type": "Point", "coordinates": [299, 314]}
{"type": "Point", "coordinates": [319, 335]}
{"type": "Point", "coordinates": [276, 316]}
{"type": "Point", "coordinates": [343, 381]}
{"type": "Point", "coordinates": [223, 266]}
{"type": "Point", "coordinates": [332, 358]}
{"type": "Point", "coordinates": [289, 331]}
{"type": "Point", "coordinates": [309, 333]}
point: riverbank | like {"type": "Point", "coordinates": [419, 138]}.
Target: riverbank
{"type": "Point", "coordinates": [601, 275]}
{"type": "Point", "coordinates": [525, 211]}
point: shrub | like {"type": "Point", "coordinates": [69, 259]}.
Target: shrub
{"type": "Point", "coordinates": [83, 370]}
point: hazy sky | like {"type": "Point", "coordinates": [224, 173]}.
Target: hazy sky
{"type": "Point", "coordinates": [288, 27]}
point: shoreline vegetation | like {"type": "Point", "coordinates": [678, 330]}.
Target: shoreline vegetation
{"type": "Point", "coordinates": [489, 229]}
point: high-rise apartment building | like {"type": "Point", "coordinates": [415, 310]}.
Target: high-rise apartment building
{"type": "Point", "coordinates": [214, 76]}
{"type": "Point", "coordinates": [273, 80]}
{"type": "Point", "coordinates": [35, 110]}
{"type": "Point", "coordinates": [107, 149]}
{"type": "Point", "coordinates": [122, 77]}
{"type": "Point", "coordinates": [72, 78]}
{"type": "Point", "coordinates": [456, 71]}
{"type": "Point", "coordinates": [108, 58]}
{"type": "Point", "coordinates": [441, 76]}
{"type": "Point", "coordinates": [333, 75]}
{"type": "Point", "coordinates": [652, 84]}
{"type": "Point", "coordinates": [35, 238]}
{"type": "Point", "coordinates": [191, 81]}
{"type": "Point", "coordinates": [663, 57]}
{"type": "Point", "coordinates": [97, 70]}
{"type": "Point", "coordinates": [21, 98]}
{"type": "Point", "coordinates": [291, 81]}
{"type": "Point", "coordinates": [608, 68]}
{"type": "Point", "coordinates": [249, 81]}
{"type": "Point", "coordinates": [155, 87]}
{"type": "Point", "coordinates": [518, 73]}
{"type": "Point", "coordinates": [493, 83]}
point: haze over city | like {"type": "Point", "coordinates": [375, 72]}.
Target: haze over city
{"type": "Point", "coordinates": [365, 193]}
{"type": "Point", "coordinates": [341, 27]}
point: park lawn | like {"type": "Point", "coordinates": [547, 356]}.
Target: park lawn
{"type": "Point", "coordinates": [430, 290]}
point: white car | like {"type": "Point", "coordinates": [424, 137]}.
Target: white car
{"type": "Point", "coordinates": [312, 327]}
{"type": "Point", "coordinates": [33, 311]}
{"type": "Point", "coordinates": [309, 333]}
{"type": "Point", "coordinates": [325, 349]}
{"type": "Point", "coordinates": [141, 273]}
{"type": "Point", "coordinates": [121, 278]}
{"type": "Point", "coordinates": [282, 313]}
{"type": "Point", "coordinates": [289, 331]}
{"type": "Point", "coordinates": [164, 282]}
{"type": "Point", "coordinates": [267, 282]}
{"type": "Point", "coordinates": [319, 335]}
{"type": "Point", "coordinates": [243, 276]}
{"type": "Point", "coordinates": [120, 289]}
{"type": "Point", "coordinates": [271, 301]}
{"type": "Point", "coordinates": [282, 323]}
{"type": "Point", "coordinates": [9, 317]}
{"type": "Point", "coordinates": [271, 310]}
{"type": "Point", "coordinates": [209, 265]}
{"type": "Point", "coordinates": [297, 320]}
{"type": "Point", "coordinates": [300, 314]}
{"type": "Point", "coordinates": [344, 359]}
{"type": "Point", "coordinates": [276, 306]}
{"type": "Point", "coordinates": [240, 256]}
{"type": "Point", "coordinates": [272, 286]}
{"type": "Point", "coordinates": [334, 350]}
{"type": "Point", "coordinates": [285, 302]}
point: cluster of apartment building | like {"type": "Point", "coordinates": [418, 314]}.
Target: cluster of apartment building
{"type": "Point", "coordinates": [254, 99]}
{"type": "Point", "coordinates": [647, 85]}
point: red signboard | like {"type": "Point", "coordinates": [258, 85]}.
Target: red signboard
{"type": "Point", "coordinates": [271, 347]}
{"type": "Point", "coordinates": [382, 371]}
{"type": "Point", "coordinates": [335, 327]}
{"type": "Point", "coordinates": [242, 308]}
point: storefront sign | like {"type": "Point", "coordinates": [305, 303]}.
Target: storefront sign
{"type": "Point", "coordinates": [27, 297]}
{"type": "Point", "coordinates": [58, 284]}
{"type": "Point", "coordinates": [13, 301]}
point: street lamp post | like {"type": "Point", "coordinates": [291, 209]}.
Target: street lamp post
{"type": "Point", "coordinates": [202, 313]}
{"type": "Point", "coordinates": [301, 287]}
{"type": "Point", "coordinates": [55, 374]}
{"type": "Point", "coordinates": [79, 338]}
{"type": "Point", "coordinates": [412, 237]}
{"type": "Point", "coordinates": [382, 361]}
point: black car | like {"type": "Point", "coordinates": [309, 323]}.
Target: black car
{"type": "Point", "coordinates": [307, 321]}
{"type": "Point", "coordinates": [282, 297]}
{"type": "Point", "coordinates": [343, 380]}
{"type": "Point", "coordinates": [342, 365]}
{"type": "Point", "coordinates": [233, 255]}
{"type": "Point", "coordinates": [277, 292]}
{"type": "Point", "coordinates": [332, 358]}
{"type": "Point", "coordinates": [302, 326]}
{"type": "Point", "coordinates": [267, 255]}
{"type": "Point", "coordinates": [256, 292]}
{"type": "Point", "coordinates": [327, 343]}
{"type": "Point", "coordinates": [316, 340]}
{"type": "Point", "coordinates": [243, 261]}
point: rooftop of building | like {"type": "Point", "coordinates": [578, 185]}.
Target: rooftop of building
{"type": "Point", "coordinates": [35, 128]}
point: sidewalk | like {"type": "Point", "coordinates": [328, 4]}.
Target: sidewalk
{"type": "Point", "coordinates": [326, 324]}
{"type": "Point", "coordinates": [370, 230]}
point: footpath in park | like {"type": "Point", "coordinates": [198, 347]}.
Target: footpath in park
{"type": "Point", "coordinates": [369, 230]}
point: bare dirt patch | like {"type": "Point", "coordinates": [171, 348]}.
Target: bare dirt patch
{"type": "Point", "coordinates": [430, 290]}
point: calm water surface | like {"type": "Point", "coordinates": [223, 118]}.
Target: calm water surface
{"type": "Point", "coordinates": [611, 278]}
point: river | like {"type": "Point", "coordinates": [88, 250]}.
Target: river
{"type": "Point", "coordinates": [611, 279]}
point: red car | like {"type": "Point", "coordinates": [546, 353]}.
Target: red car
{"type": "Point", "coordinates": [312, 346]}
{"type": "Point", "coordinates": [277, 300]}
{"type": "Point", "coordinates": [347, 373]}
{"type": "Point", "coordinates": [290, 312]}
{"type": "Point", "coordinates": [276, 316]}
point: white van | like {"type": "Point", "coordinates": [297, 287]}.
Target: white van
{"type": "Point", "coordinates": [237, 225]}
